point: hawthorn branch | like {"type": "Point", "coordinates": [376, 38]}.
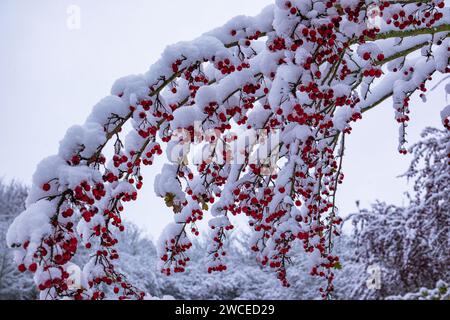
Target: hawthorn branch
{"type": "Point", "coordinates": [410, 33]}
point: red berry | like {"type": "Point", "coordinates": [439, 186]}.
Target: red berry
{"type": "Point", "coordinates": [46, 187]}
{"type": "Point", "coordinates": [33, 267]}
{"type": "Point", "coordinates": [22, 268]}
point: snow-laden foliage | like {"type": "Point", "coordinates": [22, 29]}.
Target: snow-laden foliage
{"type": "Point", "coordinates": [296, 77]}
{"type": "Point", "coordinates": [440, 292]}
{"type": "Point", "coordinates": [13, 284]}
{"type": "Point", "coordinates": [410, 244]}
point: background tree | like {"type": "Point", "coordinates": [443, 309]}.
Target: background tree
{"type": "Point", "coordinates": [13, 284]}
{"type": "Point", "coordinates": [410, 244]}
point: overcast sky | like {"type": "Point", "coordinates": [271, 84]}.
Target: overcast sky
{"type": "Point", "coordinates": [51, 76]}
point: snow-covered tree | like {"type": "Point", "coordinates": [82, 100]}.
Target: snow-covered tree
{"type": "Point", "coordinates": [409, 244]}
{"type": "Point", "coordinates": [431, 206]}
{"type": "Point", "coordinates": [268, 101]}
{"type": "Point", "coordinates": [138, 260]}
{"type": "Point", "coordinates": [13, 284]}
{"type": "Point", "coordinates": [440, 292]}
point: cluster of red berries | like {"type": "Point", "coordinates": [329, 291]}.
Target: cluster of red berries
{"type": "Point", "coordinates": [225, 66]}
{"type": "Point", "coordinates": [218, 268]}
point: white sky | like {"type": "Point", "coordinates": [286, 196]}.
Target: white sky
{"type": "Point", "coordinates": [51, 76]}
